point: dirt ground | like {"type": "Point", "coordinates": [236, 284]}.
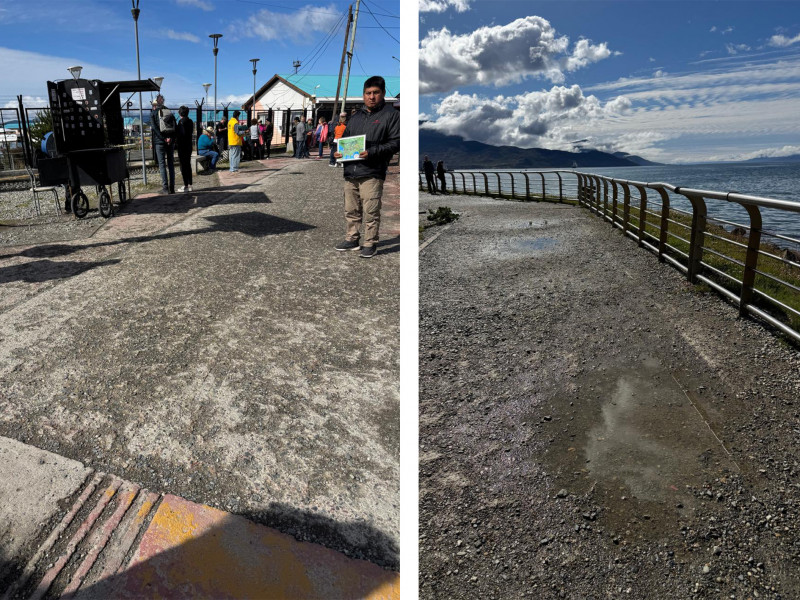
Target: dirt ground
{"type": "Point", "coordinates": [592, 426]}
{"type": "Point", "coordinates": [215, 346]}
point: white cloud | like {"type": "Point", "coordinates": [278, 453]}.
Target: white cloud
{"type": "Point", "coordinates": [32, 101]}
{"type": "Point", "coordinates": [500, 55]}
{"type": "Point", "coordinates": [713, 29]}
{"type": "Point", "coordinates": [781, 41]}
{"type": "Point", "coordinates": [181, 36]}
{"type": "Point", "coordinates": [30, 71]}
{"type": "Point", "coordinates": [768, 153]}
{"type": "Point", "coordinates": [202, 4]}
{"type": "Point", "coordinates": [736, 48]}
{"type": "Point", "coordinates": [729, 113]}
{"type": "Point", "coordinates": [439, 6]}
{"type": "Point", "coordinates": [548, 119]}
{"type": "Point", "coordinates": [302, 25]}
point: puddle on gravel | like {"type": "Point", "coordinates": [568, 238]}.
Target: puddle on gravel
{"type": "Point", "coordinates": [633, 438]}
{"type": "Point", "coordinates": [536, 244]}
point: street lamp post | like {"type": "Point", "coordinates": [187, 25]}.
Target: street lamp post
{"type": "Point", "coordinates": [215, 37]}
{"type": "Point", "coordinates": [254, 61]}
{"type": "Point", "coordinates": [205, 87]}
{"type": "Point", "coordinates": [135, 12]}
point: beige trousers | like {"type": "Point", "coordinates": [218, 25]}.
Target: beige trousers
{"type": "Point", "coordinates": [362, 202]}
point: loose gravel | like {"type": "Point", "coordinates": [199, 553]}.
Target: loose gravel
{"type": "Point", "coordinates": [592, 426]}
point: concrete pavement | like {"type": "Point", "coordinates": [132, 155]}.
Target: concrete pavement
{"type": "Point", "coordinates": [214, 347]}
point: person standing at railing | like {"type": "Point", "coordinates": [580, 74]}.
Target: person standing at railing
{"type": "Point", "coordinates": [440, 174]}
{"type": "Point", "coordinates": [162, 126]}
{"type": "Point", "coordinates": [427, 168]}
{"type": "Point", "coordinates": [183, 138]}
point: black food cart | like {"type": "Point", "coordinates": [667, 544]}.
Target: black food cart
{"type": "Point", "coordinates": [88, 139]}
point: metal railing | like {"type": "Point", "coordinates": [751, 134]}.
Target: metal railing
{"type": "Point", "coordinates": [757, 269]}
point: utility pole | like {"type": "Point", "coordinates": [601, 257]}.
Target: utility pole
{"type": "Point", "coordinates": [350, 54]}
{"type": "Point", "coordinates": [335, 115]}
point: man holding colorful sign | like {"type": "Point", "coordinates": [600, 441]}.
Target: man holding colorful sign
{"type": "Point", "coordinates": [374, 137]}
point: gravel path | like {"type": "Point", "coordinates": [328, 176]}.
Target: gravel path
{"type": "Point", "coordinates": [214, 345]}
{"type": "Point", "coordinates": [591, 426]}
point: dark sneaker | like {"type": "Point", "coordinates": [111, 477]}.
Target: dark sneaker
{"type": "Point", "coordinates": [347, 245]}
{"type": "Point", "coordinates": [367, 251]}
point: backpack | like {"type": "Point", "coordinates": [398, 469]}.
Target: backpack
{"type": "Point", "coordinates": [166, 121]}
{"type": "Point", "coordinates": [323, 135]}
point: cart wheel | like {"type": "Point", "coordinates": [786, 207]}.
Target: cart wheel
{"type": "Point", "coordinates": [122, 193]}
{"type": "Point", "coordinates": [105, 203]}
{"type": "Point", "coordinates": [80, 204]}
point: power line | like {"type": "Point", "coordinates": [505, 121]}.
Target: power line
{"type": "Point", "coordinates": [313, 52]}
{"type": "Point", "coordinates": [391, 16]}
{"type": "Point", "coordinates": [379, 23]}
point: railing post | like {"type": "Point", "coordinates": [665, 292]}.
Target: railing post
{"type": "Point", "coordinates": [662, 237]}
{"type": "Point", "coordinates": [499, 185]}
{"type": "Point", "coordinates": [513, 193]}
{"type": "Point", "coordinates": [605, 199]}
{"type": "Point", "coordinates": [751, 258]}
{"type": "Point", "coordinates": [642, 213]}
{"type": "Point", "coordinates": [697, 241]}
{"type": "Point", "coordinates": [597, 199]}
{"type": "Point", "coordinates": [453, 180]}
{"type": "Point", "coordinates": [560, 188]}
{"type": "Point", "coordinates": [486, 182]}
{"type": "Point", "coordinates": [580, 188]}
{"type": "Point", "coordinates": [463, 183]}
{"type": "Point", "coordinates": [626, 206]}
{"type": "Point", "coordinates": [544, 196]}
{"type": "Point", "coordinates": [614, 202]}
{"type": "Point", "coordinates": [527, 187]}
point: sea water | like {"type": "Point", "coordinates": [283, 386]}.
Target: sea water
{"type": "Point", "coordinates": [780, 181]}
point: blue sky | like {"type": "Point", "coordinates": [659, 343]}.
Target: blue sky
{"type": "Point", "coordinates": [672, 81]}
{"type": "Point", "coordinates": [40, 39]}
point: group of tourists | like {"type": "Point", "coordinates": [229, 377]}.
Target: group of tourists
{"type": "Point", "coordinates": [170, 134]}
{"type": "Point", "coordinates": [439, 170]}
{"type": "Point", "coordinates": [306, 137]}
{"type": "Point", "coordinates": [363, 177]}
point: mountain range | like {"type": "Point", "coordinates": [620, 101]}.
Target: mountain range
{"type": "Point", "coordinates": [460, 154]}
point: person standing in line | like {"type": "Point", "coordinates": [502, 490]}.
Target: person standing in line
{"type": "Point", "coordinates": [221, 129]}
{"type": "Point", "coordinates": [321, 135]}
{"type": "Point", "coordinates": [205, 147]}
{"type": "Point", "coordinates": [363, 178]}
{"type": "Point", "coordinates": [267, 137]}
{"type": "Point", "coordinates": [440, 174]}
{"type": "Point", "coordinates": [184, 142]}
{"type": "Point", "coordinates": [255, 146]}
{"type": "Point", "coordinates": [162, 125]}
{"type": "Point", "coordinates": [300, 137]}
{"type": "Point", "coordinates": [234, 143]}
{"type": "Point", "coordinates": [427, 168]}
{"type": "Point", "coordinates": [338, 132]}
{"type": "Point", "coordinates": [309, 137]}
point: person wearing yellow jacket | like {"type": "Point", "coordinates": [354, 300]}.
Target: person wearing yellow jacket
{"type": "Point", "coordinates": [234, 143]}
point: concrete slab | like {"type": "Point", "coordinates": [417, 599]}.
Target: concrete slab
{"type": "Point", "coordinates": [33, 486]}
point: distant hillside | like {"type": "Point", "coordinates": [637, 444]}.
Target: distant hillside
{"type": "Point", "coordinates": [459, 154]}
{"type": "Point", "coordinates": [775, 159]}
{"type": "Point", "coordinates": [642, 162]}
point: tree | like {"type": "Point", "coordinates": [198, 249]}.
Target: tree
{"type": "Point", "coordinates": [39, 127]}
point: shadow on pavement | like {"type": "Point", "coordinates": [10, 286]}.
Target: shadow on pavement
{"type": "Point", "coordinates": [389, 246]}
{"type": "Point", "coordinates": [175, 203]}
{"type": "Point", "coordinates": [47, 270]}
{"type": "Point", "coordinates": [253, 223]}
{"type": "Point", "coordinates": [228, 556]}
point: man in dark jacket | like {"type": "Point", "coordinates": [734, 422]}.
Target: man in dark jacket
{"type": "Point", "coordinates": [164, 145]}
{"type": "Point", "coordinates": [363, 178]}
{"type": "Point", "coordinates": [427, 167]}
